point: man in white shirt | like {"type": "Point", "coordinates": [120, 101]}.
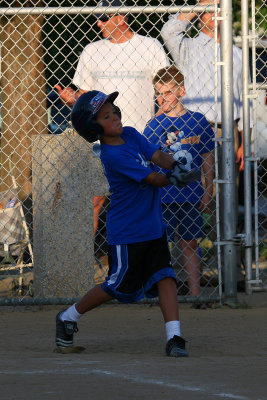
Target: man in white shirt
{"type": "Point", "coordinates": [122, 61]}
{"type": "Point", "coordinates": [195, 58]}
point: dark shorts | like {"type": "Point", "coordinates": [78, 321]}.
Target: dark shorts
{"type": "Point", "coordinates": [187, 217]}
{"type": "Point", "coordinates": [135, 269]}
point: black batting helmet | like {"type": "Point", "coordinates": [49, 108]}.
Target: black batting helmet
{"type": "Point", "coordinates": [84, 111]}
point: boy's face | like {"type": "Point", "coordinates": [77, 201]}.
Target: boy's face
{"type": "Point", "coordinates": [168, 95]}
{"type": "Point", "coordinates": [108, 118]}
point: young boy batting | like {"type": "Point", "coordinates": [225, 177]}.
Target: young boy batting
{"type": "Point", "coordinates": [188, 134]}
{"type": "Point", "coordinates": [139, 258]}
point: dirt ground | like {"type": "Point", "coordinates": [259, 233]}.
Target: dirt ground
{"type": "Point", "coordinates": [124, 357]}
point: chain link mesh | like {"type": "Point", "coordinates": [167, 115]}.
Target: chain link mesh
{"type": "Point", "coordinates": [40, 51]}
{"type": "Point", "coordinates": [259, 176]}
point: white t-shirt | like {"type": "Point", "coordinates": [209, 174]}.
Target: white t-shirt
{"type": "Point", "coordinates": [128, 68]}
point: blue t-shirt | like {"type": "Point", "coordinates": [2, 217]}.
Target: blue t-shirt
{"type": "Point", "coordinates": [194, 137]}
{"type": "Point", "coordinates": [135, 213]}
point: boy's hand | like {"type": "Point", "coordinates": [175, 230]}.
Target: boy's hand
{"type": "Point", "coordinates": [180, 176]}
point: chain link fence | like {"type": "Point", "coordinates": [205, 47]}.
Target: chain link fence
{"type": "Point", "coordinates": [259, 168]}
{"type": "Point", "coordinates": [52, 46]}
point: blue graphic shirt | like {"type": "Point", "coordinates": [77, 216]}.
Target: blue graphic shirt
{"type": "Point", "coordinates": [135, 212]}
{"type": "Point", "coordinates": [192, 135]}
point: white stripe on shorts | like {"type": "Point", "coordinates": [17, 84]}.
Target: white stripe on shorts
{"type": "Point", "coordinates": [114, 276]}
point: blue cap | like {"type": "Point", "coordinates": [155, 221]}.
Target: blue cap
{"type": "Point", "coordinates": [84, 111]}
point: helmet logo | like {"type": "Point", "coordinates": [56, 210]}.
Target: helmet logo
{"type": "Point", "coordinates": [97, 102]}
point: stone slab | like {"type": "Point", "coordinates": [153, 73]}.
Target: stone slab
{"type": "Point", "coordinates": [66, 177]}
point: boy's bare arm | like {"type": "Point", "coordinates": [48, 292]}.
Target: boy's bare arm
{"type": "Point", "coordinates": [157, 179]}
{"type": "Point", "coordinates": [208, 170]}
{"type": "Point", "coordinates": [162, 160]}
{"type": "Point", "coordinates": [178, 176]}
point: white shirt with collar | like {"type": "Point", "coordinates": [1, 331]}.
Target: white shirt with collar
{"type": "Point", "coordinates": [195, 58]}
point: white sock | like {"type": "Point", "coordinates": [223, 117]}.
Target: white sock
{"type": "Point", "coordinates": [172, 329]}
{"type": "Point", "coordinates": [71, 314]}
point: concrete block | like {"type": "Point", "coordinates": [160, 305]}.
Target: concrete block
{"type": "Point", "coordinates": [66, 177]}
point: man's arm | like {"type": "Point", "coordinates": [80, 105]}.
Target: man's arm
{"type": "Point", "coordinates": [69, 95]}
{"type": "Point", "coordinates": [173, 34]}
{"type": "Point", "coordinates": [240, 152]}
{"type": "Point", "coordinates": [187, 17]}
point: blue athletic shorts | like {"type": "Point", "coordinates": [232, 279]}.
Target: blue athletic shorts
{"type": "Point", "coordinates": [135, 269]}
{"type": "Point", "coordinates": [187, 217]}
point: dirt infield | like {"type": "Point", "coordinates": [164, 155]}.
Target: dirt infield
{"type": "Point", "coordinates": [124, 357]}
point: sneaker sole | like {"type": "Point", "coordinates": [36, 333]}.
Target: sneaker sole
{"type": "Point", "coordinates": [68, 350]}
{"type": "Point", "coordinates": [178, 353]}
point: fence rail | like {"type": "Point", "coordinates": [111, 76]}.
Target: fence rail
{"type": "Point", "coordinates": [99, 10]}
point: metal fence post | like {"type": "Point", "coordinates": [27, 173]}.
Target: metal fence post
{"type": "Point", "coordinates": [228, 158]}
{"type": "Point", "coordinates": [247, 156]}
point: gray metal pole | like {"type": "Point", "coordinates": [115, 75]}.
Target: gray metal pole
{"type": "Point", "coordinates": [247, 151]}
{"type": "Point", "coordinates": [8, 11]}
{"type": "Point", "coordinates": [228, 156]}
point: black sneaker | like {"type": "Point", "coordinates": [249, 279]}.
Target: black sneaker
{"type": "Point", "coordinates": [65, 331]}
{"type": "Point", "coordinates": [175, 347]}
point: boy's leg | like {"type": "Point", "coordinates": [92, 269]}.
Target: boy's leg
{"type": "Point", "coordinates": [158, 271]}
{"type": "Point", "coordinates": [170, 214]}
{"type": "Point", "coordinates": [168, 301]}
{"type": "Point", "coordinates": [92, 299]}
{"type": "Point", "coordinates": [191, 228]}
{"type": "Point", "coordinates": [66, 321]}
{"type": "Point", "coordinates": [192, 265]}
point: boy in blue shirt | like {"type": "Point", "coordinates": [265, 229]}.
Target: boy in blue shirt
{"type": "Point", "coordinates": [185, 134]}
{"type": "Point", "coordinates": [139, 258]}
